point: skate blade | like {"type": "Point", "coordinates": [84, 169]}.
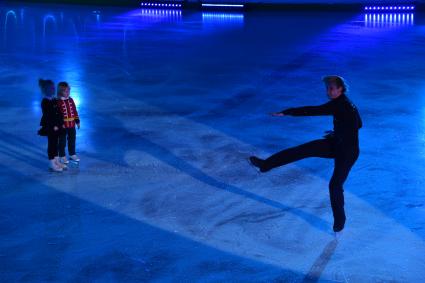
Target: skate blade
{"type": "Point", "coordinates": [338, 236]}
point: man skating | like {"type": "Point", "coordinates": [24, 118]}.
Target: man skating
{"type": "Point", "coordinates": [341, 144]}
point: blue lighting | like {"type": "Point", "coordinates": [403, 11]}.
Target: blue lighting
{"type": "Point", "coordinates": [391, 8]}
{"type": "Point", "coordinates": [166, 14]}
{"type": "Point", "coordinates": [387, 20]}
{"type": "Point", "coordinates": [46, 20]}
{"type": "Point", "coordinates": [222, 16]}
{"type": "Point", "coordinates": [13, 15]}
{"type": "Point", "coordinates": [154, 4]}
{"type": "Point", "coordinates": [223, 5]}
{"type": "Point", "coordinates": [219, 20]}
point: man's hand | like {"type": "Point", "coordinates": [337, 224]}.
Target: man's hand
{"type": "Point", "coordinates": [277, 114]}
{"type": "Point", "coordinates": [55, 128]}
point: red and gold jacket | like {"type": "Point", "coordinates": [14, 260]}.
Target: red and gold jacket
{"type": "Point", "coordinates": [69, 111]}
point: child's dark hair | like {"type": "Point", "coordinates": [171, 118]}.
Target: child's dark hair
{"type": "Point", "coordinates": [61, 86]}
{"type": "Point", "coordinates": [45, 83]}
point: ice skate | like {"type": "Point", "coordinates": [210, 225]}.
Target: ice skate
{"type": "Point", "coordinates": [54, 166]}
{"type": "Point", "coordinates": [257, 162]}
{"type": "Point", "coordinates": [59, 164]}
{"type": "Point", "coordinates": [64, 160]}
{"type": "Point", "coordinates": [74, 158]}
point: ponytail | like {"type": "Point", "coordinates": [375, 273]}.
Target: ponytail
{"type": "Point", "coordinates": [44, 84]}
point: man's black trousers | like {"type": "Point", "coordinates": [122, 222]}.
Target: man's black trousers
{"type": "Point", "coordinates": [344, 155]}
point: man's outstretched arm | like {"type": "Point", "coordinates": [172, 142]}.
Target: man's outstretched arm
{"type": "Point", "coordinates": [321, 110]}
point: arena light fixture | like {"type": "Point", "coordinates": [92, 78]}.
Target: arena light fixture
{"type": "Point", "coordinates": [393, 8]}
{"type": "Point", "coordinates": [217, 5]}
{"type": "Point", "coordinates": [161, 5]}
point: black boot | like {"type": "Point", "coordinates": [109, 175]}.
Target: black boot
{"type": "Point", "coordinates": [257, 162]}
{"type": "Point", "coordinates": [339, 225]}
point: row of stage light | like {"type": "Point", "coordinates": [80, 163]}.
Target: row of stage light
{"type": "Point", "coordinates": [372, 19]}
{"type": "Point", "coordinates": [389, 8]}
{"type": "Point", "coordinates": [179, 5]}
{"type": "Point", "coordinates": [160, 5]}
{"type": "Point", "coordinates": [223, 5]}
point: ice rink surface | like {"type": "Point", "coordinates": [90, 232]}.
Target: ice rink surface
{"type": "Point", "coordinates": [172, 104]}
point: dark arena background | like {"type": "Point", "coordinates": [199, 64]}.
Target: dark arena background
{"type": "Point", "coordinates": [173, 97]}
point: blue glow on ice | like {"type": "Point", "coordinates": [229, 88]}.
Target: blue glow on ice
{"type": "Point", "coordinates": [388, 20]}
{"type": "Point", "coordinates": [10, 13]}
{"type": "Point", "coordinates": [46, 20]}
{"type": "Point", "coordinates": [222, 19]}
{"type": "Point", "coordinates": [6, 21]}
{"type": "Point", "coordinates": [161, 13]}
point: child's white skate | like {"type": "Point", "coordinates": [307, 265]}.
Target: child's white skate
{"type": "Point", "coordinates": [74, 158]}
{"type": "Point", "coordinates": [59, 164]}
{"type": "Point", "coordinates": [54, 166]}
{"type": "Point", "coordinates": [64, 160]}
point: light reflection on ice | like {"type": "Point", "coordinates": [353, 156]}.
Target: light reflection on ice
{"type": "Point", "coordinates": [386, 20]}
{"type": "Point", "coordinates": [222, 19]}
{"type": "Point", "coordinates": [46, 20]}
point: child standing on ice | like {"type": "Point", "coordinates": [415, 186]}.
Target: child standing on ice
{"type": "Point", "coordinates": [70, 119]}
{"type": "Point", "coordinates": [51, 123]}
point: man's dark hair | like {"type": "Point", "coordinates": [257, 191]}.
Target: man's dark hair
{"type": "Point", "coordinates": [337, 80]}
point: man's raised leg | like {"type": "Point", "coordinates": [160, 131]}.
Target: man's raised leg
{"type": "Point", "coordinates": [316, 148]}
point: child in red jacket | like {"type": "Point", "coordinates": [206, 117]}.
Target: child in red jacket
{"type": "Point", "coordinates": [69, 112]}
